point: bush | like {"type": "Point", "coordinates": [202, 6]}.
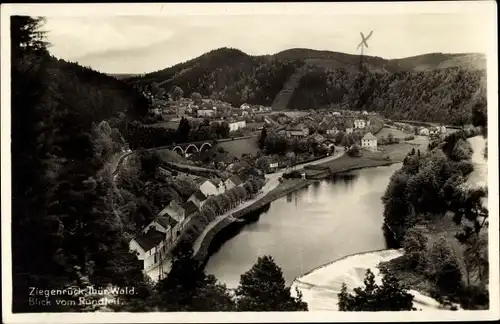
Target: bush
{"type": "Point", "coordinates": [354, 151]}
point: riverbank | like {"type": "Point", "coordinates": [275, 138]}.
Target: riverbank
{"type": "Point", "coordinates": [321, 286]}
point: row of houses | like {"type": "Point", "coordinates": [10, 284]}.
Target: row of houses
{"type": "Point", "coordinates": [154, 242]}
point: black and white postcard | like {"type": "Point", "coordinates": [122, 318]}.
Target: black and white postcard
{"type": "Point", "coordinates": [245, 162]}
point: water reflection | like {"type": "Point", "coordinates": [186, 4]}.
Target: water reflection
{"type": "Point", "coordinates": [327, 220]}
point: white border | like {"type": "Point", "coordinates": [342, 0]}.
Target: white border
{"type": "Point", "coordinates": [72, 10]}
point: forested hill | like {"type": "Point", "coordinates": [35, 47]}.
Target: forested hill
{"type": "Point", "coordinates": [432, 87]}
{"type": "Point", "coordinates": [67, 228]}
{"type": "Point", "coordinates": [226, 74]}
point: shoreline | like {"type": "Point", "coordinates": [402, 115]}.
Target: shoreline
{"type": "Point", "coordinates": [202, 254]}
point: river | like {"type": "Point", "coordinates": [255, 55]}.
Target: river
{"type": "Point", "coordinates": [323, 222]}
{"type": "Point", "coordinates": [310, 227]}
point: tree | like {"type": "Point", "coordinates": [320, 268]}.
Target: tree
{"type": "Point", "coordinates": [223, 130]}
{"type": "Point", "coordinates": [262, 288]}
{"type": "Point", "coordinates": [415, 247]}
{"type": "Point", "coordinates": [188, 288]}
{"type": "Point", "coordinates": [262, 138]}
{"type": "Point", "coordinates": [176, 93]}
{"type": "Point", "coordinates": [390, 296]}
{"type": "Point", "coordinates": [444, 267]}
{"type": "Point", "coordinates": [196, 97]}
{"type": "Point", "coordinates": [183, 130]}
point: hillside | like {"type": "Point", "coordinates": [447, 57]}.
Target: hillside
{"type": "Point", "coordinates": [225, 74]}
{"type": "Point", "coordinates": [439, 95]}
{"type": "Point", "coordinates": [68, 219]}
{"type": "Point", "coordinates": [302, 79]}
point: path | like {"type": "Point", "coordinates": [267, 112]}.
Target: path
{"type": "Point", "coordinates": [283, 97]}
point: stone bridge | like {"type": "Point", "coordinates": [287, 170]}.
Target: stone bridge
{"type": "Point", "coordinates": [193, 147]}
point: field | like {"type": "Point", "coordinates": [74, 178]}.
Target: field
{"type": "Point", "coordinates": [239, 147]}
{"type": "Point", "coordinates": [395, 132]}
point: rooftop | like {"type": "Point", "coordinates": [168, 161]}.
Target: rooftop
{"type": "Point", "coordinates": [369, 136]}
{"type": "Point", "coordinates": [150, 239]}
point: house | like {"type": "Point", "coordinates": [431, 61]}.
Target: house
{"type": "Point", "coordinates": [364, 112]}
{"type": "Point", "coordinates": [423, 131]}
{"type": "Point", "coordinates": [349, 130]}
{"type": "Point", "coordinates": [369, 141]}
{"type": "Point", "coordinates": [359, 123]}
{"type": "Point", "coordinates": [234, 126]}
{"type": "Point", "coordinates": [245, 106]}
{"type": "Point", "coordinates": [219, 184]}
{"type": "Point", "coordinates": [211, 187]}
{"type": "Point", "coordinates": [190, 208]}
{"type": "Point", "coordinates": [198, 198]}
{"type": "Point", "coordinates": [205, 112]}
{"type": "Point", "coordinates": [318, 138]}
{"type": "Point", "coordinates": [299, 131]}
{"type": "Point", "coordinates": [148, 247]}
{"type": "Point", "coordinates": [332, 131]}
{"type": "Point", "coordinates": [175, 211]}
{"type": "Point", "coordinates": [232, 182]}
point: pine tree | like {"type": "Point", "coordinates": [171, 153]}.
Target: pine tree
{"type": "Point", "coordinates": [263, 288]}
{"type": "Point", "coordinates": [390, 296]}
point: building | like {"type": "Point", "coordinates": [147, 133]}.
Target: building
{"type": "Point", "coordinates": [148, 247]}
{"type": "Point", "coordinates": [190, 208]}
{"type": "Point", "coordinates": [349, 130]}
{"type": "Point", "coordinates": [232, 182]}
{"type": "Point", "coordinates": [198, 198]}
{"type": "Point", "coordinates": [332, 131]}
{"type": "Point", "coordinates": [245, 106]}
{"type": "Point", "coordinates": [369, 141]}
{"type": "Point", "coordinates": [212, 187]}
{"type": "Point", "coordinates": [175, 211]}
{"type": "Point", "coordinates": [205, 113]}
{"type": "Point", "coordinates": [423, 131]}
{"type": "Point", "coordinates": [235, 125]}
{"type": "Point", "coordinates": [298, 131]}
{"type": "Point", "coordinates": [359, 123]}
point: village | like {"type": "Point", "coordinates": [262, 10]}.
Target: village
{"type": "Point", "coordinates": [259, 142]}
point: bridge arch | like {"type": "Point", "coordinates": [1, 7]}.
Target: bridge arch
{"type": "Point", "coordinates": [205, 145]}
{"type": "Point", "coordinates": [189, 146]}
{"type": "Point", "coordinates": [179, 150]}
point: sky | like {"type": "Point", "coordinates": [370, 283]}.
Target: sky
{"type": "Point", "coordinates": [145, 43]}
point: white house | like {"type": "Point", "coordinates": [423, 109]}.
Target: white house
{"type": "Point", "coordinates": [423, 131]}
{"type": "Point", "coordinates": [205, 112]}
{"type": "Point", "coordinates": [333, 131]}
{"type": "Point", "coordinates": [148, 247]}
{"type": "Point", "coordinates": [232, 182]}
{"type": "Point", "coordinates": [212, 187]}
{"type": "Point", "coordinates": [245, 106]}
{"type": "Point", "coordinates": [198, 198]}
{"type": "Point", "coordinates": [235, 125]}
{"type": "Point", "coordinates": [359, 123]}
{"type": "Point", "coordinates": [369, 142]}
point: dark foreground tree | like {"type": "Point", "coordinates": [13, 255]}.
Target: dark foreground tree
{"type": "Point", "coordinates": [188, 288]}
{"type": "Point", "coordinates": [390, 296]}
{"type": "Point", "coordinates": [262, 288]}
